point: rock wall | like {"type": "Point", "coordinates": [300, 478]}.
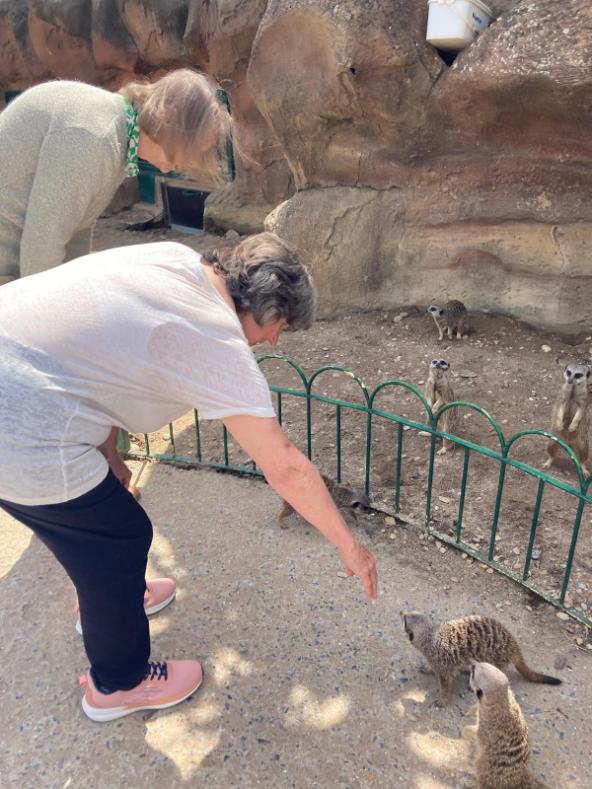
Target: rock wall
{"type": "Point", "coordinates": [414, 181]}
{"type": "Point", "coordinates": [473, 181]}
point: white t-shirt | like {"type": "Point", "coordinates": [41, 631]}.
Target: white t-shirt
{"type": "Point", "coordinates": [132, 337]}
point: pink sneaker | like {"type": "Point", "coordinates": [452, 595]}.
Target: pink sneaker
{"type": "Point", "coordinates": [164, 685]}
{"type": "Point", "coordinates": [159, 593]}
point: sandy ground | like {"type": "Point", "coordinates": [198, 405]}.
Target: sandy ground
{"type": "Point", "coordinates": [307, 684]}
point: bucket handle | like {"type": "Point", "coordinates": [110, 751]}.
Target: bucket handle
{"type": "Point", "coordinates": [450, 3]}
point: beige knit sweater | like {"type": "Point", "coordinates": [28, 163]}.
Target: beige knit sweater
{"type": "Point", "coordinates": [63, 147]}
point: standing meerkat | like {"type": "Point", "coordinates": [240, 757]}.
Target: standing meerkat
{"type": "Point", "coordinates": [350, 500]}
{"type": "Point", "coordinates": [438, 392]}
{"type": "Point", "coordinates": [452, 646]}
{"type": "Point", "coordinates": [570, 418]}
{"type": "Point", "coordinates": [451, 317]}
{"type": "Point", "coordinates": [503, 746]}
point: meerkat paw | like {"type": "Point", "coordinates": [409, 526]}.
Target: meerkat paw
{"type": "Point", "coordinates": [469, 732]}
{"type": "Point", "coordinates": [572, 427]}
{"type": "Point", "coordinates": [548, 463]}
{"type": "Point", "coordinates": [442, 451]}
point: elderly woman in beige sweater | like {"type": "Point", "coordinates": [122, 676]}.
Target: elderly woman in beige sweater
{"type": "Point", "coordinates": [65, 148]}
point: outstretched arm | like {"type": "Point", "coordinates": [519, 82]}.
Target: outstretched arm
{"type": "Point", "coordinates": [297, 481]}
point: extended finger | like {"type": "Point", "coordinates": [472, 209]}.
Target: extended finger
{"type": "Point", "coordinates": [371, 580]}
{"type": "Point", "coordinates": [374, 581]}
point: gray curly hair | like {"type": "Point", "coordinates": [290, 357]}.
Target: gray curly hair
{"type": "Point", "coordinates": [265, 277]}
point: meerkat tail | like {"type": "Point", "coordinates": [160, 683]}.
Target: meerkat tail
{"type": "Point", "coordinates": [531, 675]}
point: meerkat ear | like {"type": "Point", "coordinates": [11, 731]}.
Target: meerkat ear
{"type": "Point", "coordinates": [479, 694]}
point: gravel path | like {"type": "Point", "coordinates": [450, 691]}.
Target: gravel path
{"type": "Point", "coordinates": [307, 684]}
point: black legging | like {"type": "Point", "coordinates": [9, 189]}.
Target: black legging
{"type": "Point", "coordinates": [102, 539]}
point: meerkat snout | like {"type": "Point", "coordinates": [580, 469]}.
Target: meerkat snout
{"type": "Point", "coordinates": [361, 503]}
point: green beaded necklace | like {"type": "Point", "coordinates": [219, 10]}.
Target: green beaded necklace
{"type": "Point", "coordinates": [133, 134]}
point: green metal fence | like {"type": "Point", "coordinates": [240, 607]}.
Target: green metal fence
{"type": "Point", "coordinates": [306, 393]}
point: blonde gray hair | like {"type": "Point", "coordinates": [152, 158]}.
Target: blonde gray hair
{"type": "Point", "coordinates": [182, 113]}
{"type": "Point", "coordinates": [266, 277]}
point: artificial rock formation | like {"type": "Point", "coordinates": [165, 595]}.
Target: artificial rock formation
{"type": "Point", "coordinates": [414, 180]}
{"type": "Point", "coordinates": [485, 191]}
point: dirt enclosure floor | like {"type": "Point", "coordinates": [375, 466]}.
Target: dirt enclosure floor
{"type": "Point", "coordinates": [307, 684]}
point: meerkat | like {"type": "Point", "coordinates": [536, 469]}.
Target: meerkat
{"type": "Point", "coordinates": [503, 746]}
{"type": "Point", "coordinates": [438, 392]}
{"type": "Point", "coordinates": [453, 645]}
{"type": "Point", "coordinates": [350, 500]}
{"type": "Point", "coordinates": [570, 419]}
{"type": "Point", "coordinates": [451, 317]}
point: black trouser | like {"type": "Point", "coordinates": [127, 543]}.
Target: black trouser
{"type": "Point", "coordinates": [102, 540]}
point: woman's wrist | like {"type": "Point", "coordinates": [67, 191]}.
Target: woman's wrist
{"type": "Point", "coordinates": [344, 541]}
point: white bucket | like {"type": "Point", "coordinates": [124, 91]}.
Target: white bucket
{"type": "Point", "coordinates": [453, 24]}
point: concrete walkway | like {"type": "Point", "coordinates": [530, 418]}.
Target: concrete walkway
{"type": "Point", "coordinates": [307, 684]}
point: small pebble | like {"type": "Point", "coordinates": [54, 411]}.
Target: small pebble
{"type": "Point", "coordinates": [546, 348]}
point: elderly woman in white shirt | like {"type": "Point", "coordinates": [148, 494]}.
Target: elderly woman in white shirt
{"type": "Point", "coordinates": [132, 338]}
